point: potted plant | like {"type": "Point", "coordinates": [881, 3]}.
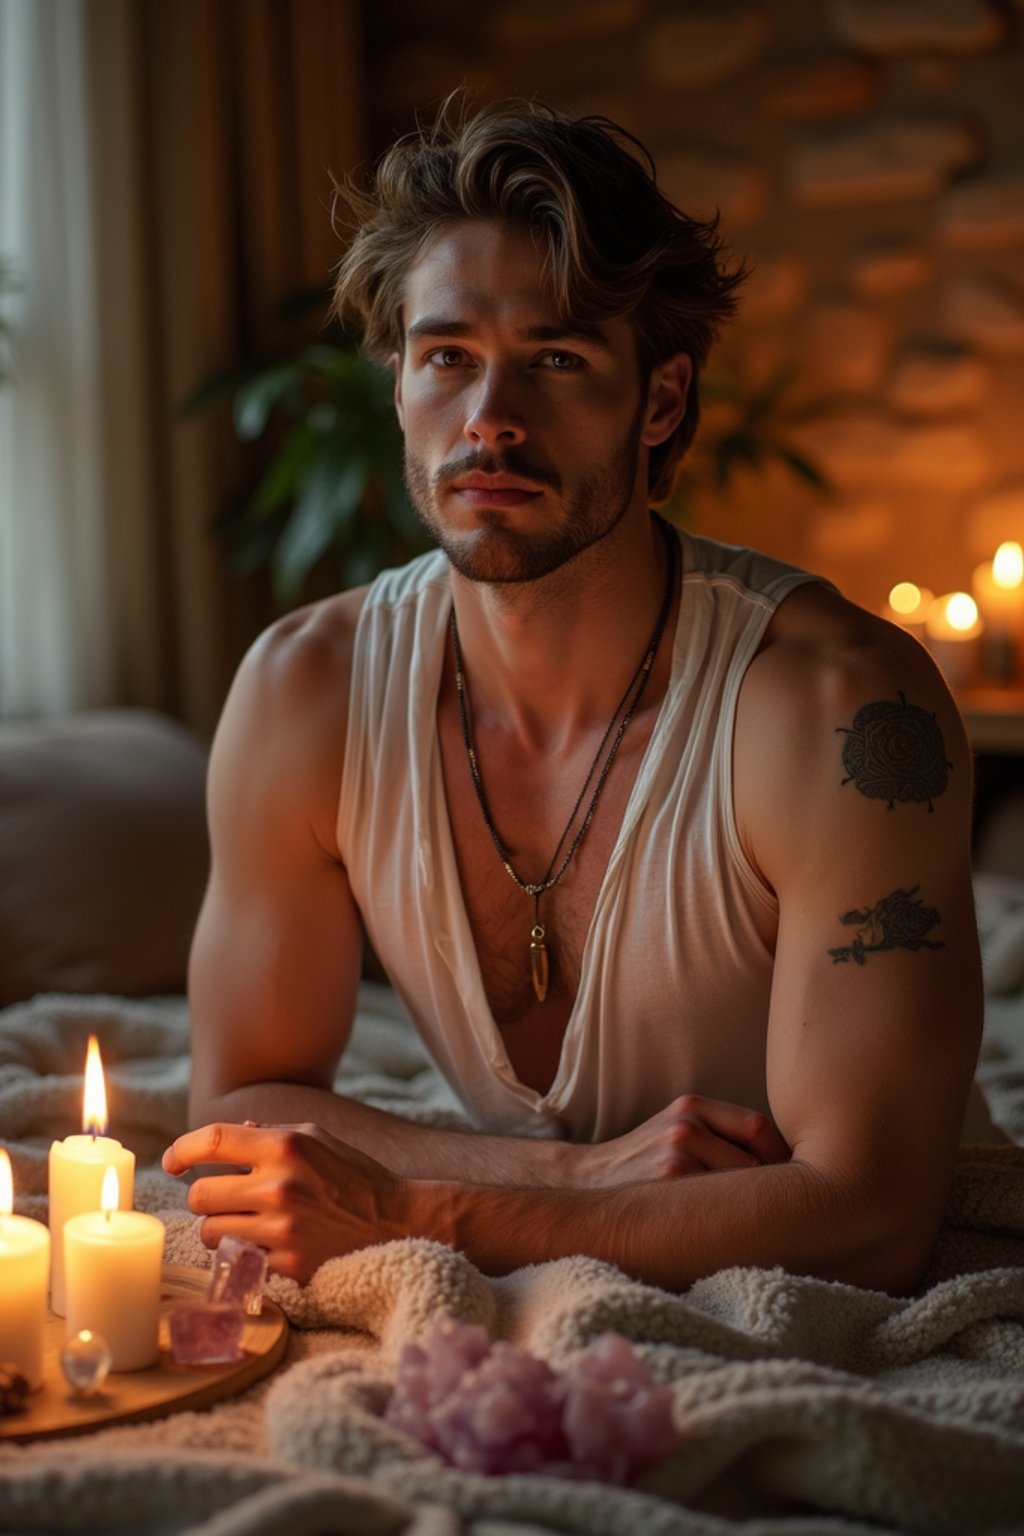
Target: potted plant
{"type": "Point", "coordinates": [330, 488]}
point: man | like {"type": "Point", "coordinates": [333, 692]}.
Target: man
{"type": "Point", "coordinates": [665, 845]}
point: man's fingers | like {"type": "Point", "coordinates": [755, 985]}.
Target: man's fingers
{"type": "Point", "coordinates": [220, 1142]}
{"type": "Point", "coordinates": [743, 1127]}
{"type": "Point", "coordinates": [695, 1149]}
{"type": "Point", "coordinates": [225, 1192]}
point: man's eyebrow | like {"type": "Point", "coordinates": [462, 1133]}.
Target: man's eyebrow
{"type": "Point", "coordinates": [580, 331]}
{"type": "Point", "coordinates": [437, 325]}
{"type": "Point", "coordinates": [574, 330]}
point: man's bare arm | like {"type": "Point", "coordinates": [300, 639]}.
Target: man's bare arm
{"type": "Point", "coordinates": [276, 957]}
{"type": "Point", "coordinates": [869, 1059]}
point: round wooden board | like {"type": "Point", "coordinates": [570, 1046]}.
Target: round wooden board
{"type": "Point", "coordinates": [164, 1388]}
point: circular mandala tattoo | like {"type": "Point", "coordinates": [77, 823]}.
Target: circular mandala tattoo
{"type": "Point", "coordinates": [894, 751]}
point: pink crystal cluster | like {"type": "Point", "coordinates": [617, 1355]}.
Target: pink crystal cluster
{"type": "Point", "coordinates": [496, 1408]}
{"type": "Point", "coordinates": [210, 1332]}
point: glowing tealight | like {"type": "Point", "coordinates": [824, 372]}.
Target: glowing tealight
{"type": "Point", "coordinates": [909, 606]}
{"type": "Point", "coordinates": [1008, 566]}
{"type": "Point", "coordinates": [961, 611]}
{"type": "Point", "coordinates": [905, 597]}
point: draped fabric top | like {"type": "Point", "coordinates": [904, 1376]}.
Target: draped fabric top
{"type": "Point", "coordinates": [675, 975]}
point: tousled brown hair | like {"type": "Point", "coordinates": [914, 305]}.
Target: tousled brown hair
{"type": "Point", "coordinates": [612, 243]}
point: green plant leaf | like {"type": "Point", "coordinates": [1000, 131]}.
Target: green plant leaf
{"type": "Point", "coordinates": [212, 390]}
{"type": "Point", "coordinates": [255, 400]}
{"type": "Point", "coordinates": [330, 496]}
{"type": "Point", "coordinates": [286, 471]}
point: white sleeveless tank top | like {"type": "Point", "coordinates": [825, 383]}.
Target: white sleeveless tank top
{"type": "Point", "coordinates": [675, 978]}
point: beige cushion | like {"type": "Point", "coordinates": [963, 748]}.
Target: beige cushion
{"type": "Point", "coordinates": [103, 853]}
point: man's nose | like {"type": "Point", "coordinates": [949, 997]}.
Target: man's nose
{"type": "Point", "coordinates": [495, 417]}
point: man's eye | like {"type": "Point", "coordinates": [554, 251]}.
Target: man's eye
{"type": "Point", "coordinates": [446, 357]}
{"type": "Point", "coordinates": [563, 362]}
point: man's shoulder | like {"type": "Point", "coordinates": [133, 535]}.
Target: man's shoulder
{"type": "Point", "coordinates": [313, 646]}
{"type": "Point", "coordinates": [824, 661]}
{"type": "Point", "coordinates": [306, 651]}
{"type": "Point", "coordinates": [818, 639]}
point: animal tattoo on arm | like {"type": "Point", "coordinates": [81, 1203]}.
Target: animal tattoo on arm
{"type": "Point", "coordinates": [898, 921]}
{"type": "Point", "coordinates": [895, 751]}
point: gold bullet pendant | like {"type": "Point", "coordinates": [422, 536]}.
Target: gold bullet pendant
{"type": "Point", "coordinates": [539, 962]}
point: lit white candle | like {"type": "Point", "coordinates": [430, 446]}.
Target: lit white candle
{"type": "Point", "coordinates": [953, 634]}
{"type": "Point", "coordinates": [908, 607]}
{"type": "Point", "coordinates": [76, 1170]}
{"type": "Point", "coordinates": [998, 586]}
{"type": "Point", "coordinates": [24, 1266]}
{"type": "Point", "coordinates": [112, 1265]}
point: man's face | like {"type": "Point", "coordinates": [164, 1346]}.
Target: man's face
{"type": "Point", "coordinates": [522, 431]}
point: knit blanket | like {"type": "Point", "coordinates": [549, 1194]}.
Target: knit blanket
{"type": "Point", "coordinates": [804, 1408]}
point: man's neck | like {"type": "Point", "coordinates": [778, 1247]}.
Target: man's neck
{"type": "Point", "coordinates": [548, 660]}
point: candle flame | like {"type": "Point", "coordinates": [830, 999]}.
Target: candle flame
{"type": "Point", "coordinates": [6, 1185]}
{"type": "Point", "coordinates": [1008, 566]}
{"type": "Point", "coordinates": [110, 1194]}
{"type": "Point", "coordinates": [961, 611]}
{"type": "Point", "coordinates": [94, 1100]}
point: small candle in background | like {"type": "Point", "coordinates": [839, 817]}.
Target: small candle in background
{"type": "Point", "coordinates": [24, 1269]}
{"type": "Point", "coordinates": [953, 633]}
{"type": "Point", "coordinates": [76, 1170]}
{"type": "Point", "coordinates": [998, 586]}
{"type": "Point", "coordinates": [908, 607]}
{"type": "Point", "coordinates": [113, 1260]}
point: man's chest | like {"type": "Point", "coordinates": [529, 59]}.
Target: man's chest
{"type": "Point", "coordinates": [530, 807]}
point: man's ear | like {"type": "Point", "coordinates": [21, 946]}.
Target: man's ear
{"type": "Point", "coordinates": [395, 364]}
{"type": "Point", "coordinates": [666, 398]}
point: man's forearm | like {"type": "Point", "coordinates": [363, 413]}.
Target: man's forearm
{"type": "Point", "coordinates": [410, 1150]}
{"type": "Point", "coordinates": [673, 1233]}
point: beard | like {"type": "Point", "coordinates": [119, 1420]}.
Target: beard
{"type": "Point", "coordinates": [496, 554]}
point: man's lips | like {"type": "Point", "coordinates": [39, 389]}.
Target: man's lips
{"type": "Point", "coordinates": [495, 490]}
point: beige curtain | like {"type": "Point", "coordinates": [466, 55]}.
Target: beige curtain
{"type": "Point", "coordinates": [235, 116]}
{"type": "Point", "coordinates": [216, 126]}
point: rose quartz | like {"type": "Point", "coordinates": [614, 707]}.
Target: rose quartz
{"type": "Point", "coordinates": [495, 1408]}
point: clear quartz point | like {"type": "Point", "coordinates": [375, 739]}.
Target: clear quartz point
{"type": "Point", "coordinates": [85, 1362]}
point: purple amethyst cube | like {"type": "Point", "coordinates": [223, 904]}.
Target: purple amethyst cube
{"type": "Point", "coordinates": [206, 1332]}
{"type": "Point", "coordinates": [239, 1270]}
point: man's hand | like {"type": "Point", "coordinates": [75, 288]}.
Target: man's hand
{"type": "Point", "coordinates": [691, 1135]}
{"type": "Point", "coordinates": [304, 1197]}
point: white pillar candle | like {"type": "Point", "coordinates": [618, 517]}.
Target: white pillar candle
{"type": "Point", "coordinates": [953, 635]}
{"type": "Point", "coordinates": [112, 1263]}
{"type": "Point", "coordinates": [998, 586]}
{"type": "Point", "coordinates": [77, 1165]}
{"type": "Point", "coordinates": [24, 1266]}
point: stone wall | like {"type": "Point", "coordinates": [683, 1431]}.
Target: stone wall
{"type": "Point", "coordinates": [867, 157]}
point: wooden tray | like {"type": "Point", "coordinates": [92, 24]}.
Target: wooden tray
{"type": "Point", "coordinates": [164, 1388]}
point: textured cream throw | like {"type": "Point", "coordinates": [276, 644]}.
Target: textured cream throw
{"type": "Point", "coordinates": [804, 1407]}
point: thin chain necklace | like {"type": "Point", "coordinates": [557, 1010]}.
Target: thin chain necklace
{"type": "Point", "coordinates": [626, 707]}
